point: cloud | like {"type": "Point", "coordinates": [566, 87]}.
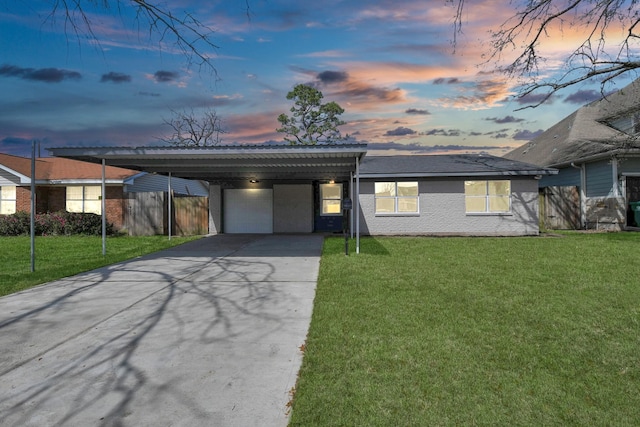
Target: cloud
{"type": "Point", "coordinates": [330, 77]}
{"type": "Point", "coordinates": [163, 76]}
{"type": "Point", "coordinates": [448, 81]}
{"type": "Point", "coordinates": [114, 77]}
{"type": "Point", "coordinates": [400, 131]}
{"type": "Point", "coordinates": [417, 112]}
{"type": "Point", "coordinates": [46, 75]}
{"type": "Point", "coordinates": [526, 135]}
{"type": "Point", "coordinates": [506, 119]}
{"type": "Point", "coordinates": [583, 97]}
{"type": "Point", "coordinates": [442, 132]}
{"type": "Point", "coordinates": [534, 99]}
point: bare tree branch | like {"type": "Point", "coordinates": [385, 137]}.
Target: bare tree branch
{"type": "Point", "coordinates": [188, 34]}
{"type": "Point", "coordinates": [191, 130]}
{"type": "Point", "coordinates": [608, 50]}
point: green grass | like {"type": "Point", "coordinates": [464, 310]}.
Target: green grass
{"type": "Point", "coordinates": [57, 257]}
{"type": "Point", "coordinates": [475, 331]}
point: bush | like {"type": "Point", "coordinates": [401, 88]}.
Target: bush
{"type": "Point", "coordinates": [56, 224]}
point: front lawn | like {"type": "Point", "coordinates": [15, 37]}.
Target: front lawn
{"type": "Point", "coordinates": [57, 257]}
{"type": "Point", "coordinates": [475, 331]}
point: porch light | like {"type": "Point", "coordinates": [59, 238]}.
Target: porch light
{"type": "Point", "coordinates": [253, 181]}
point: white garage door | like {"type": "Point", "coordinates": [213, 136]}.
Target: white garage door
{"type": "Point", "coordinates": [248, 211]}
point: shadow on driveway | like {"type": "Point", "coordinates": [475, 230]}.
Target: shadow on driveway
{"type": "Point", "coordinates": [206, 333]}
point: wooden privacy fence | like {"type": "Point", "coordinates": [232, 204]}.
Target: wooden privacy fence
{"type": "Point", "coordinates": [560, 208]}
{"type": "Point", "coordinates": [146, 214]}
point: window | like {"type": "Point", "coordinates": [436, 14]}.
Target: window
{"type": "Point", "coordinates": [396, 197]}
{"type": "Point", "coordinates": [84, 198]}
{"type": "Point", "coordinates": [331, 199]}
{"type": "Point", "coordinates": [488, 196]}
{"type": "Point", "coordinates": [7, 200]}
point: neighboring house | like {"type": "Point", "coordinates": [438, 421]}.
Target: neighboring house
{"type": "Point", "coordinates": [76, 186]}
{"type": "Point", "coordinates": [597, 152]}
{"type": "Point", "coordinates": [303, 189]}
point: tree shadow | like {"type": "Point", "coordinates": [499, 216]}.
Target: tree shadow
{"type": "Point", "coordinates": [138, 353]}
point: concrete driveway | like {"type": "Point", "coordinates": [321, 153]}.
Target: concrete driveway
{"type": "Point", "coordinates": [203, 334]}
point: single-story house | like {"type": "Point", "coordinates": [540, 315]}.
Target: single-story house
{"type": "Point", "coordinates": [304, 189]}
{"type": "Point", "coordinates": [76, 186]}
{"type": "Point", "coordinates": [597, 152]}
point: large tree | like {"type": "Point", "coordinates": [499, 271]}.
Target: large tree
{"type": "Point", "coordinates": [311, 121]}
{"type": "Point", "coordinates": [606, 50]}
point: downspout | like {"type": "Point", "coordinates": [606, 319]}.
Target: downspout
{"type": "Point", "coordinates": [614, 176]}
{"type": "Point", "coordinates": [583, 194]}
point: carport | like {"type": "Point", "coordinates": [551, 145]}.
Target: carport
{"type": "Point", "coordinates": [252, 186]}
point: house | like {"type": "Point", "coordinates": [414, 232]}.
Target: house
{"type": "Point", "coordinates": [76, 186]}
{"type": "Point", "coordinates": [304, 189]}
{"type": "Point", "coordinates": [466, 194]}
{"type": "Point", "coordinates": [597, 152]}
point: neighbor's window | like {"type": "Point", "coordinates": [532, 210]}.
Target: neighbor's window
{"type": "Point", "coordinates": [84, 198]}
{"type": "Point", "coordinates": [7, 200]}
{"type": "Point", "coordinates": [488, 196]}
{"type": "Point", "coordinates": [331, 199]}
{"type": "Point", "coordinates": [396, 197]}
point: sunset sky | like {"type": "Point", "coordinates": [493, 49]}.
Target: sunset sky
{"type": "Point", "coordinates": [390, 64]}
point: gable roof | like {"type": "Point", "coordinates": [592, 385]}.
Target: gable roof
{"type": "Point", "coordinates": [446, 165]}
{"type": "Point", "coordinates": [584, 133]}
{"type": "Point", "coordinates": [59, 169]}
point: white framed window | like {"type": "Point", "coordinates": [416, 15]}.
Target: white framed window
{"type": "Point", "coordinates": [491, 196]}
{"type": "Point", "coordinates": [7, 200]}
{"type": "Point", "coordinates": [330, 199]}
{"type": "Point", "coordinates": [84, 198]}
{"type": "Point", "coordinates": [396, 197]}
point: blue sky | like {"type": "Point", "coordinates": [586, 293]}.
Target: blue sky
{"type": "Point", "coordinates": [389, 64]}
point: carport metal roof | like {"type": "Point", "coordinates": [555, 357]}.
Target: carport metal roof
{"type": "Point", "coordinates": [230, 162]}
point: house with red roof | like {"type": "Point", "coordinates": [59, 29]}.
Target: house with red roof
{"type": "Point", "coordinates": [76, 186]}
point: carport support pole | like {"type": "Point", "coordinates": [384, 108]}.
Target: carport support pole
{"type": "Point", "coordinates": [169, 222]}
{"type": "Point", "coordinates": [32, 220]}
{"type": "Point", "coordinates": [103, 203]}
{"type": "Point", "coordinates": [351, 197]}
{"type": "Point", "coordinates": [357, 205]}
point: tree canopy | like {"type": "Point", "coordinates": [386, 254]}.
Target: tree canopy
{"type": "Point", "coordinates": [311, 121]}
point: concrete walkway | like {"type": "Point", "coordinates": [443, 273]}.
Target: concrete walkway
{"type": "Point", "coordinates": [203, 334]}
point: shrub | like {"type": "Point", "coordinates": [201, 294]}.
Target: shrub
{"type": "Point", "coordinates": [57, 223]}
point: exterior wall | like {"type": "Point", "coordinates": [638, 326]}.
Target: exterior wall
{"type": "Point", "coordinates": [8, 179]}
{"type": "Point", "coordinates": [599, 179]}
{"type": "Point", "coordinates": [629, 165]}
{"type": "Point", "coordinates": [292, 208]}
{"type": "Point", "coordinates": [215, 209]}
{"type": "Point", "coordinates": [442, 212]}
{"type": "Point", "coordinates": [114, 206]}
{"type": "Point", "coordinates": [23, 199]}
{"type": "Point", "coordinates": [566, 177]}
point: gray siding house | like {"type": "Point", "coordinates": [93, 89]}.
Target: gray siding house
{"type": "Point", "coordinates": [471, 194]}
{"type": "Point", "coordinates": [305, 189]}
{"type": "Point", "coordinates": [597, 152]}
